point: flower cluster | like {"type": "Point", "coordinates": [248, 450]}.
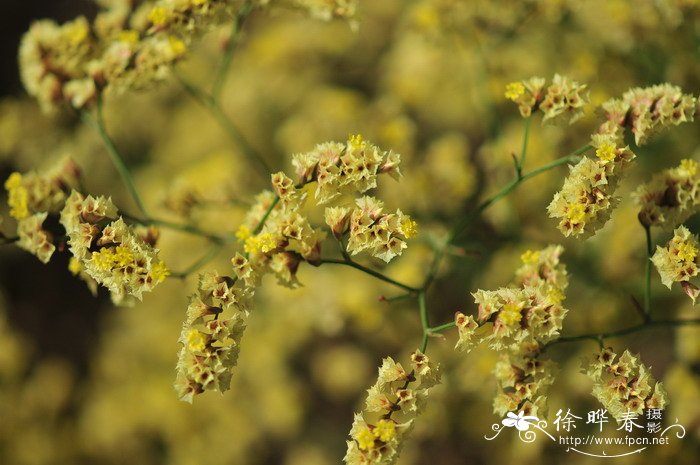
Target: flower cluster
{"type": "Point", "coordinates": [213, 328]}
{"type": "Point", "coordinates": [33, 197]}
{"type": "Point", "coordinates": [130, 44]}
{"type": "Point", "coordinates": [345, 168]}
{"type": "Point", "coordinates": [110, 251]}
{"type": "Point", "coordinates": [624, 385]}
{"type": "Point", "coordinates": [563, 99]}
{"type": "Point", "coordinates": [321, 9]}
{"type": "Point", "coordinates": [277, 237]}
{"type": "Point", "coordinates": [523, 380]}
{"type": "Point", "coordinates": [670, 197]}
{"type": "Point", "coordinates": [531, 313]}
{"type": "Point", "coordinates": [398, 394]}
{"type": "Point", "coordinates": [382, 234]}
{"type": "Point", "coordinates": [523, 318]}
{"type": "Point", "coordinates": [678, 261]}
{"type": "Point", "coordinates": [586, 200]}
{"type": "Point", "coordinates": [645, 111]}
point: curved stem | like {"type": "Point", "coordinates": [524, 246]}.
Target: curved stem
{"type": "Point", "coordinates": [97, 123]}
{"type": "Point", "coordinates": [186, 228]}
{"type": "Point", "coordinates": [647, 275]}
{"type": "Point", "coordinates": [507, 189]}
{"type": "Point", "coordinates": [370, 272]}
{"type": "Point", "coordinates": [623, 332]}
{"type": "Point", "coordinates": [233, 40]}
{"type": "Point", "coordinates": [423, 311]}
{"type": "Point", "coordinates": [209, 256]}
{"type": "Point", "coordinates": [213, 106]}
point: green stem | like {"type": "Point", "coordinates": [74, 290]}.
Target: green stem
{"type": "Point", "coordinates": [262, 221]}
{"type": "Point", "coordinates": [370, 272]}
{"type": "Point", "coordinates": [98, 124]}
{"type": "Point", "coordinates": [523, 150]}
{"type": "Point", "coordinates": [233, 40]}
{"type": "Point", "coordinates": [623, 332]}
{"type": "Point", "coordinates": [442, 327]}
{"type": "Point", "coordinates": [211, 104]}
{"type": "Point", "coordinates": [186, 228]}
{"type": "Point", "coordinates": [423, 311]}
{"type": "Point", "coordinates": [209, 256]}
{"type": "Point", "coordinates": [466, 220]}
{"type": "Point", "coordinates": [647, 274]}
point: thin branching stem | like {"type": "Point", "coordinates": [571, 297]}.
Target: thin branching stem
{"type": "Point", "coordinates": [371, 272]}
{"type": "Point", "coordinates": [206, 258]}
{"type": "Point", "coordinates": [233, 40]}
{"type": "Point", "coordinates": [647, 274]}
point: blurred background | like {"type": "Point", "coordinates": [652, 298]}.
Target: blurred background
{"type": "Point", "coordinates": [82, 382]}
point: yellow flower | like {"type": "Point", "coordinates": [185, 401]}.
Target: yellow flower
{"type": "Point", "coordinates": [158, 16]}
{"type": "Point", "coordinates": [128, 36]}
{"type": "Point", "coordinates": [159, 272]}
{"type": "Point", "coordinates": [74, 266]}
{"type": "Point", "coordinates": [103, 259]}
{"type": "Point", "coordinates": [576, 213]}
{"type": "Point", "coordinates": [123, 256]}
{"type": "Point", "coordinates": [365, 439]}
{"type": "Point", "coordinates": [77, 32]}
{"type": "Point", "coordinates": [530, 257]}
{"type": "Point", "coordinates": [243, 232]}
{"type": "Point", "coordinates": [356, 141]}
{"type": "Point", "coordinates": [196, 341]}
{"type": "Point", "coordinates": [17, 196]}
{"type": "Point", "coordinates": [514, 90]}
{"type": "Point", "coordinates": [385, 430]}
{"type": "Point", "coordinates": [691, 166]}
{"type": "Point", "coordinates": [606, 152]}
{"type": "Point", "coordinates": [177, 46]}
{"type": "Point", "coordinates": [555, 296]}
{"type": "Point", "coordinates": [510, 313]}
{"type": "Point", "coordinates": [687, 251]}
{"type": "Point", "coordinates": [409, 227]}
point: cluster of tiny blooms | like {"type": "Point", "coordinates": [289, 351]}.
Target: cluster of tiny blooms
{"type": "Point", "coordinates": [562, 100]}
{"type": "Point", "coordinates": [645, 111]}
{"type": "Point", "coordinates": [109, 251]}
{"type": "Point", "coordinates": [285, 239]}
{"type": "Point", "coordinates": [678, 261]}
{"type": "Point", "coordinates": [395, 400]}
{"type": "Point", "coordinates": [213, 328]}
{"type": "Point", "coordinates": [523, 379]}
{"type": "Point", "coordinates": [624, 385]}
{"type": "Point", "coordinates": [33, 198]}
{"type": "Point", "coordinates": [276, 237]}
{"type": "Point", "coordinates": [345, 168]}
{"type": "Point", "coordinates": [530, 311]}
{"type": "Point", "coordinates": [524, 317]}
{"type": "Point", "coordinates": [670, 197]}
{"type": "Point", "coordinates": [381, 234]}
{"type": "Point", "coordinates": [130, 44]}
{"type": "Point", "coordinates": [586, 200]}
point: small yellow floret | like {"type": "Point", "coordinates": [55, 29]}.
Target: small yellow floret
{"type": "Point", "coordinates": [128, 36]}
{"type": "Point", "coordinates": [77, 32]}
{"type": "Point", "coordinates": [365, 439]}
{"type": "Point", "coordinates": [691, 166]}
{"type": "Point", "coordinates": [530, 257]}
{"type": "Point", "coordinates": [510, 314]}
{"type": "Point", "coordinates": [243, 233]}
{"type": "Point", "coordinates": [17, 196]}
{"type": "Point", "coordinates": [576, 213]}
{"type": "Point", "coordinates": [123, 256]}
{"type": "Point", "coordinates": [606, 152]}
{"type": "Point", "coordinates": [555, 296]}
{"type": "Point", "coordinates": [74, 266]}
{"type": "Point", "coordinates": [356, 141]}
{"type": "Point", "coordinates": [158, 16]}
{"type": "Point", "coordinates": [159, 272]}
{"type": "Point", "coordinates": [103, 259]}
{"type": "Point", "coordinates": [687, 252]}
{"type": "Point", "coordinates": [514, 90]}
{"type": "Point", "coordinates": [385, 430]}
{"type": "Point", "coordinates": [196, 341]}
{"type": "Point", "coordinates": [409, 227]}
{"type": "Point", "coordinates": [177, 46]}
